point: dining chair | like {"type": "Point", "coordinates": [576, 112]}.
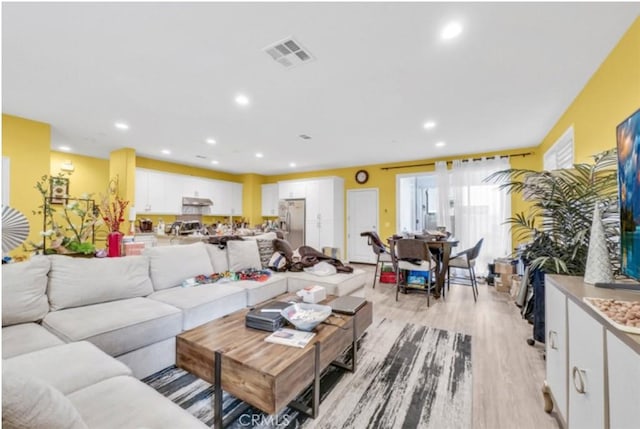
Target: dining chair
{"type": "Point", "coordinates": [413, 255]}
{"type": "Point", "coordinates": [382, 252]}
{"type": "Point", "coordinates": [466, 260]}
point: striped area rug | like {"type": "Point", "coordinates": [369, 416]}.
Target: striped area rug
{"type": "Point", "coordinates": [408, 376]}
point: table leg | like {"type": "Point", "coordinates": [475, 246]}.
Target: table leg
{"type": "Point", "coordinates": [354, 352]}
{"type": "Point", "coordinates": [314, 409]}
{"type": "Point", "coordinates": [217, 392]}
{"type": "Point", "coordinates": [442, 269]}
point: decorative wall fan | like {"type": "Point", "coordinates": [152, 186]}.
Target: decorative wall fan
{"type": "Point", "coordinates": [15, 228]}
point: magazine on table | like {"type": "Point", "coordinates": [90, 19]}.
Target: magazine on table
{"type": "Point", "coordinates": [290, 337]}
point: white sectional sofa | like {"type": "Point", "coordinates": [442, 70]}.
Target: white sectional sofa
{"type": "Point", "coordinates": [90, 328]}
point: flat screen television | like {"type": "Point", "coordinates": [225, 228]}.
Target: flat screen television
{"type": "Point", "coordinates": [628, 143]}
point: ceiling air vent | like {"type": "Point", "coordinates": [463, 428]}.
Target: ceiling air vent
{"type": "Point", "coordinates": [289, 53]}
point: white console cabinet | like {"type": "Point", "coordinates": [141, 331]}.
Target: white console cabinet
{"type": "Point", "coordinates": [593, 368]}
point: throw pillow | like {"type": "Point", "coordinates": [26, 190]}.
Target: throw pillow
{"type": "Point", "coordinates": [266, 249]}
{"type": "Point", "coordinates": [243, 255]}
{"type": "Point", "coordinates": [23, 291]}
{"type": "Point", "coordinates": [283, 247]}
{"type": "Point", "coordinates": [30, 403]}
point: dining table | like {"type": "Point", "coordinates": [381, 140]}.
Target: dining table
{"type": "Point", "coordinates": [440, 247]}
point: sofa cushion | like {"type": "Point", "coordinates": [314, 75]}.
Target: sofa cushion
{"type": "Point", "coordinates": [29, 403]}
{"type": "Point", "coordinates": [218, 258]}
{"type": "Point", "coordinates": [25, 338]}
{"type": "Point", "coordinates": [171, 265]}
{"type": "Point", "coordinates": [243, 255]}
{"type": "Point", "coordinates": [117, 327]}
{"type": "Point", "coordinates": [203, 303]}
{"type": "Point", "coordinates": [124, 402]}
{"type": "Point", "coordinates": [68, 367]}
{"type": "Point", "coordinates": [23, 291]}
{"type": "Point", "coordinates": [258, 292]}
{"type": "Point", "coordinates": [76, 282]}
{"type": "Point", "coordinates": [336, 284]}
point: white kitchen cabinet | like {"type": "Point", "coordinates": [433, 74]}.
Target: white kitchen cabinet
{"type": "Point", "coordinates": [325, 213]}
{"type": "Point", "coordinates": [141, 201]}
{"type": "Point", "coordinates": [324, 209]}
{"type": "Point", "coordinates": [236, 199]}
{"type": "Point", "coordinates": [623, 365]}
{"type": "Point", "coordinates": [270, 199]}
{"type": "Point", "coordinates": [156, 193]}
{"type": "Point", "coordinates": [586, 370]}
{"type": "Point", "coordinates": [221, 197]}
{"type": "Point", "coordinates": [556, 345]}
{"type": "Point", "coordinates": [312, 234]}
{"type": "Point", "coordinates": [292, 189]}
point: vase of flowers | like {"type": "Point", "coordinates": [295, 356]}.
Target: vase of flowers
{"type": "Point", "coordinates": [112, 212]}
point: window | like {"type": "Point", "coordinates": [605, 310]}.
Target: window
{"type": "Point", "coordinates": [417, 203]}
{"type": "Point", "coordinates": [560, 155]}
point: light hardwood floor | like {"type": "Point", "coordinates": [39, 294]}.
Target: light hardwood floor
{"type": "Point", "coordinates": [507, 372]}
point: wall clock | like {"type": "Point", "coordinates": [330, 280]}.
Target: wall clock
{"type": "Point", "coordinates": [362, 176]}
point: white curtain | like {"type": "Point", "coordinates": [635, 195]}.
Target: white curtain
{"type": "Point", "coordinates": [443, 212]}
{"type": "Point", "coordinates": [481, 210]}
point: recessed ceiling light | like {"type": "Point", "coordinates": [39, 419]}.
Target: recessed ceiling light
{"type": "Point", "coordinates": [210, 141]}
{"type": "Point", "coordinates": [292, 164]}
{"type": "Point", "coordinates": [166, 151]}
{"type": "Point", "coordinates": [242, 100]}
{"type": "Point", "coordinates": [451, 30]}
{"type": "Point", "coordinates": [429, 124]}
{"type": "Point", "coordinates": [64, 148]}
{"type": "Point", "coordinates": [259, 155]}
{"type": "Point", "coordinates": [440, 144]}
{"type": "Point", "coordinates": [215, 162]}
{"type": "Point", "coordinates": [121, 126]}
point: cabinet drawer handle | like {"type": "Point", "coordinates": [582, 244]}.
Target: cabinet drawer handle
{"type": "Point", "coordinates": [578, 374]}
{"type": "Point", "coordinates": [552, 340]}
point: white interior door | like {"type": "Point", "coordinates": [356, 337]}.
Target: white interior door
{"type": "Point", "coordinates": [362, 215]}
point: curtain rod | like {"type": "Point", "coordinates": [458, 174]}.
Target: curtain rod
{"type": "Point", "coordinates": [427, 164]}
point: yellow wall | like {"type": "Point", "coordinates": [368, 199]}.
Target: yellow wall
{"type": "Point", "coordinates": [27, 144]}
{"type": "Point", "coordinates": [252, 198]}
{"type": "Point", "coordinates": [385, 181]}
{"type": "Point", "coordinates": [611, 95]}
{"type": "Point", "coordinates": [171, 167]}
{"type": "Point", "coordinates": [91, 175]}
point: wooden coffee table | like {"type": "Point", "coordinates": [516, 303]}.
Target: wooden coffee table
{"type": "Point", "coordinates": [268, 376]}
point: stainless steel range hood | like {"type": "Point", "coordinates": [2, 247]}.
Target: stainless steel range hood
{"type": "Point", "coordinates": [196, 202]}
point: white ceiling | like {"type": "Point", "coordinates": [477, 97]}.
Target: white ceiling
{"type": "Point", "coordinates": [172, 71]}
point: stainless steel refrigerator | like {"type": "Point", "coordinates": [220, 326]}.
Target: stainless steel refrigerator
{"type": "Point", "coordinates": [292, 221]}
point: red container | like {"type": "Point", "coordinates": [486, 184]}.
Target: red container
{"type": "Point", "coordinates": [387, 277]}
{"type": "Point", "coordinates": [114, 244]}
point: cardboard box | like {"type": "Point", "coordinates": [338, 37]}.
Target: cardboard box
{"type": "Point", "coordinates": [504, 266]}
{"type": "Point", "coordinates": [134, 248]}
{"type": "Point", "coordinates": [501, 287]}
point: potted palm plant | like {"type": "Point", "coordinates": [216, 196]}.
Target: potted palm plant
{"type": "Point", "coordinates": [557, 226]}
